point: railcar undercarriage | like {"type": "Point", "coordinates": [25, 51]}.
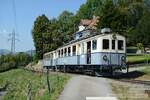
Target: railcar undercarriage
{"type": "Point", "coordinates": [94, 70]}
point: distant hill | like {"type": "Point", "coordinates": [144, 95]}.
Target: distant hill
{"type": "Point", "coordinates": [4, 52]}
{"type": "Point", "coordinates": [30, 52]}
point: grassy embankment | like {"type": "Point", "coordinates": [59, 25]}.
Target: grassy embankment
{"type": "Point", "coordinates": [19, 80]}
{"type": "Point", "coordinates": [136, 59]}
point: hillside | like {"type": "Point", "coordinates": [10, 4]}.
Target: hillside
{"type": "Point", "coordinates": [19, 85]}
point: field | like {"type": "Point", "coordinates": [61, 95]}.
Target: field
{"type": "Point", "coordinates": [19, 82]}
{"type": "Point", "coordinates": [135, 59]}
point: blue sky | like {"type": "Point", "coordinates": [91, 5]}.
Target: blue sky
{"type": "Point", "coordinates": [26, 13]}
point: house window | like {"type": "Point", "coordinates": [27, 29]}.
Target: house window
{"type": "Point", "coordinates": [120, 44]}
{"type": "Point", "coordinates": [74, 50]}
{"type": "Point", "coordinates": [113, 44]}
{"type": "Point", "coordinates": [69, 51]}
{"type": "Point", "coordinates": [94, 44]}
{"type": "Point", "coordinates": [105, 44]}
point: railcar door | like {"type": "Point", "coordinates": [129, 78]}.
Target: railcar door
{"type": "Point", "coordinates": [88, 52]}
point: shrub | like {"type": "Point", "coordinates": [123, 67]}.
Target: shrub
{"type": "Point", "coordinates": [13, 61]}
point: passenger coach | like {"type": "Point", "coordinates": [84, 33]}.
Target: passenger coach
{"type": "Point", "coordinates": [90, 51]}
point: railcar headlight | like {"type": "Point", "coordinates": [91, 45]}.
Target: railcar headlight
{"type": "Point", "coordinates": [123, 58]}
{"type": "Point", "coordinates": [105, 58]}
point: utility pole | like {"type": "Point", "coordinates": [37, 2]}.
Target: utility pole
{"type": "Point", "coordinates": [12, 36]}
{"type": "Point", "coordinates": [13, 39]}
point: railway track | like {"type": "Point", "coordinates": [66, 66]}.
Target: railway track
{"type": "Point", "coordinates": [135, 81]}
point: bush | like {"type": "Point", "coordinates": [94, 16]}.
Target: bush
{"type": "Point", "coordinates": [13, 61]}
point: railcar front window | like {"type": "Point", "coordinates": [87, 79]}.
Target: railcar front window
{"type": "Point", "coordinates": [105, 44]}
{"type": "Point", "coordinates": [94, 44]}
{"type": "Point", "coordinates": [113, 44]}
{"type": "Point", "coordinates": [74, 51]}
{"type": "Point", "coordinates": [120, 44]}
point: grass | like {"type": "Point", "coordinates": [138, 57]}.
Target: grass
{"type": "Point", "coordinates": [146, 71]}
{"type": "Point", "coordinates": [120, 91]}
{"type": "Point", "coordinates": [19, 80]}
{"type": "Point", "coordinates": [146, 75]}
{"type": "Point", "coordinates": [135, 59]}
{"type": "Point", "coordinates": [126, 91]}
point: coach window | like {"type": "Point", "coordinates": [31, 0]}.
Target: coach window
{"type": "Point", "coordinates": [94, 44]}
{"type": "Point", "coordinates": [52, 56]}
{"type": "Point", "coordinates": [65, 51]}
{"type": "Point", "coordinates": [69, 51]}
{"type": "Point", "coordinates": [113, 44]}
{"type": "Point", "coordinates": [120, 44]}
{"type": "Point", "coordinates": [61, 52]}
{"type": "Point", "coordinates": [82, 48]}
{"type": "Point", "coordinates": [105, 44]}
{"type": "Point", "coordinates": [74, 50]}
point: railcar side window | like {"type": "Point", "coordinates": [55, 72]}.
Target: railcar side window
{"type": "Point", "coordinates": [69, 51]}
{"type": "Point", "coordinates": [113, 44]}
{"type": "Point", "coordinates": [61, 52]}
{"type": "Point", "coordinates": [105, 44]}
{"type": "Point", "coordinates": [74, 50]}
{"type": "Point", "coordinates": [82, 48]}
{"type": "Point", "coordinates": [65, 52]}
{"type": "Point", "coordinates": [120, 44]}
{"type": "Point", "coordinates": [52, 55]}
{"type": "Point", "coordinates": [94, 44]}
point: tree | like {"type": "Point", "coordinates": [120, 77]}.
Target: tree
{"type": "Point", "coordinates": [66, 25]}
{"type": "Point", "coordinates": [141, 33]}
{"type": "Point", "coordinates": [124, 16]}
{"type": "Point", "coordinates": [39, 29]}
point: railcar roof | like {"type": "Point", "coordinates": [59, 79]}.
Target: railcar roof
{"type": "Point", "coordinates": [89, 36]}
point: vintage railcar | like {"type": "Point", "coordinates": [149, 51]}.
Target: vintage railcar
{"type": "Point", "coordinates": [90, 52]}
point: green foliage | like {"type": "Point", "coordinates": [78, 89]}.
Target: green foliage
{"type": "Point", "coordinates": [39, 29]}
{"type": "Point", "coordinates": [128, 17]}
{"type": "Point", "coordinates": [13, 61]}
{"type": "Point", "coordinates": [49, 34]}
{"type": "Point", "coordinates": [140, 46]}
{"type": "Point", "coordinates": [141, 33]}
{"type": "Point", "coordinates": [18, 85]}
{"type": "Point", "coordinates": [146, 71]}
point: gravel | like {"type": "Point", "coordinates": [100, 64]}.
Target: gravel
{"type": "Point", "coordinates": [80, 87]}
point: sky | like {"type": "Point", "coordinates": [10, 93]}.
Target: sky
{"type": "Point", "coordinates": [26, 13]}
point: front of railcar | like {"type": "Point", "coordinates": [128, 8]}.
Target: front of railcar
{"type": "Point", "coordinates": [113, 52]}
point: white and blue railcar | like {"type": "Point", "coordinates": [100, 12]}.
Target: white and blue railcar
{"type": "Point", "coordinates": [96, 53]}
